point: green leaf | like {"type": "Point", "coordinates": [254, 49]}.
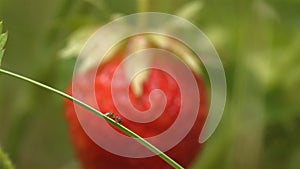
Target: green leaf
{"type": "Point", "coordinates": [5, 163]}
{"type": "Point", "coordinates": [1, 23]}
{"type": "Point", "coordinates": [189, 10]}
{"type": "Point", "coordinates": [3, 39]}
{"type": "Point", "coordinates": [76, 41]}
{"type": "Point", "coordinates": [1, 55]}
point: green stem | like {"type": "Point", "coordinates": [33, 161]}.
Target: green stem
{"type": "Point", "coordinates": [143, 5]}
{"type": "Point", "coordinates": [101, 115]}
{"type": "Point", "coordinates": [5, 163]}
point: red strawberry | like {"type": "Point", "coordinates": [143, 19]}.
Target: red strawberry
{"type": "Point", "coordinates": [93, 156]}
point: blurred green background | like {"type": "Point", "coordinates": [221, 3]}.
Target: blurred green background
{"type": "Point", "coordinates": [258, 42]}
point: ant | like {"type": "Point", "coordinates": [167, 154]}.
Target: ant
{"type": "Point", "coordinates": [116, 118]}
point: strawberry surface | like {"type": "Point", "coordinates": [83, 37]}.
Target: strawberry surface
{"type": "Point", "coordinates": [93, 156]}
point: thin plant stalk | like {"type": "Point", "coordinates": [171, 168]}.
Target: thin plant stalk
{"type": "Point", "coordinates": [101, 115]}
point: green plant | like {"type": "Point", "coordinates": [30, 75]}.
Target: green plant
{"type": "Point", "coordinates": [3, 38]}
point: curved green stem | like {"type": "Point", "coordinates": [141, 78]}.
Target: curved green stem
{"type": "Point", "coordinates": [101, 115]}
{"type": "Point", "coordinates": [5, 163]}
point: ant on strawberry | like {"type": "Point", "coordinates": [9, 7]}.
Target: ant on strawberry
{"type": "Point", "coordinates": [116, 118]}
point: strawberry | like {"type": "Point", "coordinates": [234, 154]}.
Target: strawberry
{"type": "Point", "coordinates": [93, 156]}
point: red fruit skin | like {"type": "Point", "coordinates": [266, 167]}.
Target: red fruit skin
{"type": "Point", "coordinates": [93, 156]}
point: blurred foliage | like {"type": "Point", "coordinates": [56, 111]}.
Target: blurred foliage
{"type": "Point", "coordinates": [257, 40]}
{"type": "Point", "coordinates": [5, 163]}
